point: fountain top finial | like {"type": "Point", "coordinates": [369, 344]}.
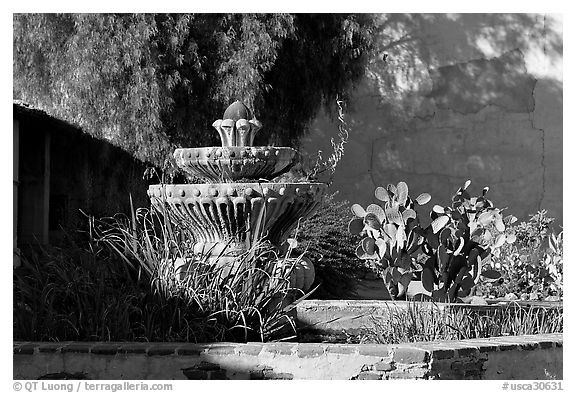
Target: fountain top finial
{"type": "Point", "coordinates": [238, 127]}
{"type": "Point", "coordinates": [236, 111]}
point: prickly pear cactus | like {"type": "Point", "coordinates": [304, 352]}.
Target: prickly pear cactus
{"type": "Point", "coordinates": [459, 241]}
{"type": "Point", "coordinates": [447, 255]}
{"type": "Point", "coordinates": [391, 235]}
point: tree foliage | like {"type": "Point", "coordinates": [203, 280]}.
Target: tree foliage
{"type": "Point", "coordinates": [150, 82]}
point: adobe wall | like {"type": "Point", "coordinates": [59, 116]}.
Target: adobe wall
{"type": "Point", "coordinates": [475, 96]}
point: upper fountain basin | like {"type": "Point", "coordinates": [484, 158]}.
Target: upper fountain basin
{"type": "Point", "coordinates": [235, 162]}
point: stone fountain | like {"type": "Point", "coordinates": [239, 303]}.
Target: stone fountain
{"type": "Point", "coordinates": [239, 204]}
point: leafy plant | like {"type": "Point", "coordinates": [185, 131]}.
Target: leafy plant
{"type": "Point", "coordinates": [447, 255]}
{"type": "Point", "coordinates": [78, 294]}
{"type": "Point", "coordinates": [248, 295]}
{"type": "Point", "coordinates": [553, 272]}
{"type": "Point", "coordinates": [532, 268]}
{"type": "Point", "coordinates": [126, 285]}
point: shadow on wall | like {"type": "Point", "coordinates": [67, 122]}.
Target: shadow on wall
{"type": "Point", "coordinates": [416, 52]}
{"type": "Point", "coordinates": [448, 98]}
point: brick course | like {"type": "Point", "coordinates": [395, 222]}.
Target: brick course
{"type": "Point", "coordinates": [465, 359]}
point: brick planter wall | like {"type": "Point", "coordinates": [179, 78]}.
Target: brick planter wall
{"type": "Point", "coordinates": [521, 357]}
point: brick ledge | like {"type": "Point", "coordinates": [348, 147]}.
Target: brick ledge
{"type": "Point", "coordinates": [439, 348]}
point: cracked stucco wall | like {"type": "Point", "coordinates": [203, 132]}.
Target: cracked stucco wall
{"type": "Point", "coordinates": [475, 96]}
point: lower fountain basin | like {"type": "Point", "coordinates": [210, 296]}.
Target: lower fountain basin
{"type": "Point", "coordinates": [235, 162]}
{"type": "Point", "coordinates": [237, 214]}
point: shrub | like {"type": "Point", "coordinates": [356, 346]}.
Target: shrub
{"type": "Point", "coordinates": [327, 243]}
{"type": "Point", "coordinates": [532, 267]}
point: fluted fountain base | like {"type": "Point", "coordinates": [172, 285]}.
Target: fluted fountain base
{"type": "Point", "coordinates": [238, 213]}
{"type": "Point", "coordinates": [226, 220]}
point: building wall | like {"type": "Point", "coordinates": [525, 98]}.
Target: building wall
{"type": "Point", "coordinates": [31, 187]}
{"type": "Point", "coordinates": [475, 96]}
{"type": "Point", "coordinates": [63, 172]}
{"type": "Point", "coordinates": [93, 176]}
{"type": "Point", "coordinates": [15, 184]}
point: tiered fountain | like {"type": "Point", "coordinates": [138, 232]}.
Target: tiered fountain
{"type": "Point", "coordinates": [238, 205]}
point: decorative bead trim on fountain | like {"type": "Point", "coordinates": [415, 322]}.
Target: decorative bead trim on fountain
{"type": "Point", "coordinates": [231, 217]}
